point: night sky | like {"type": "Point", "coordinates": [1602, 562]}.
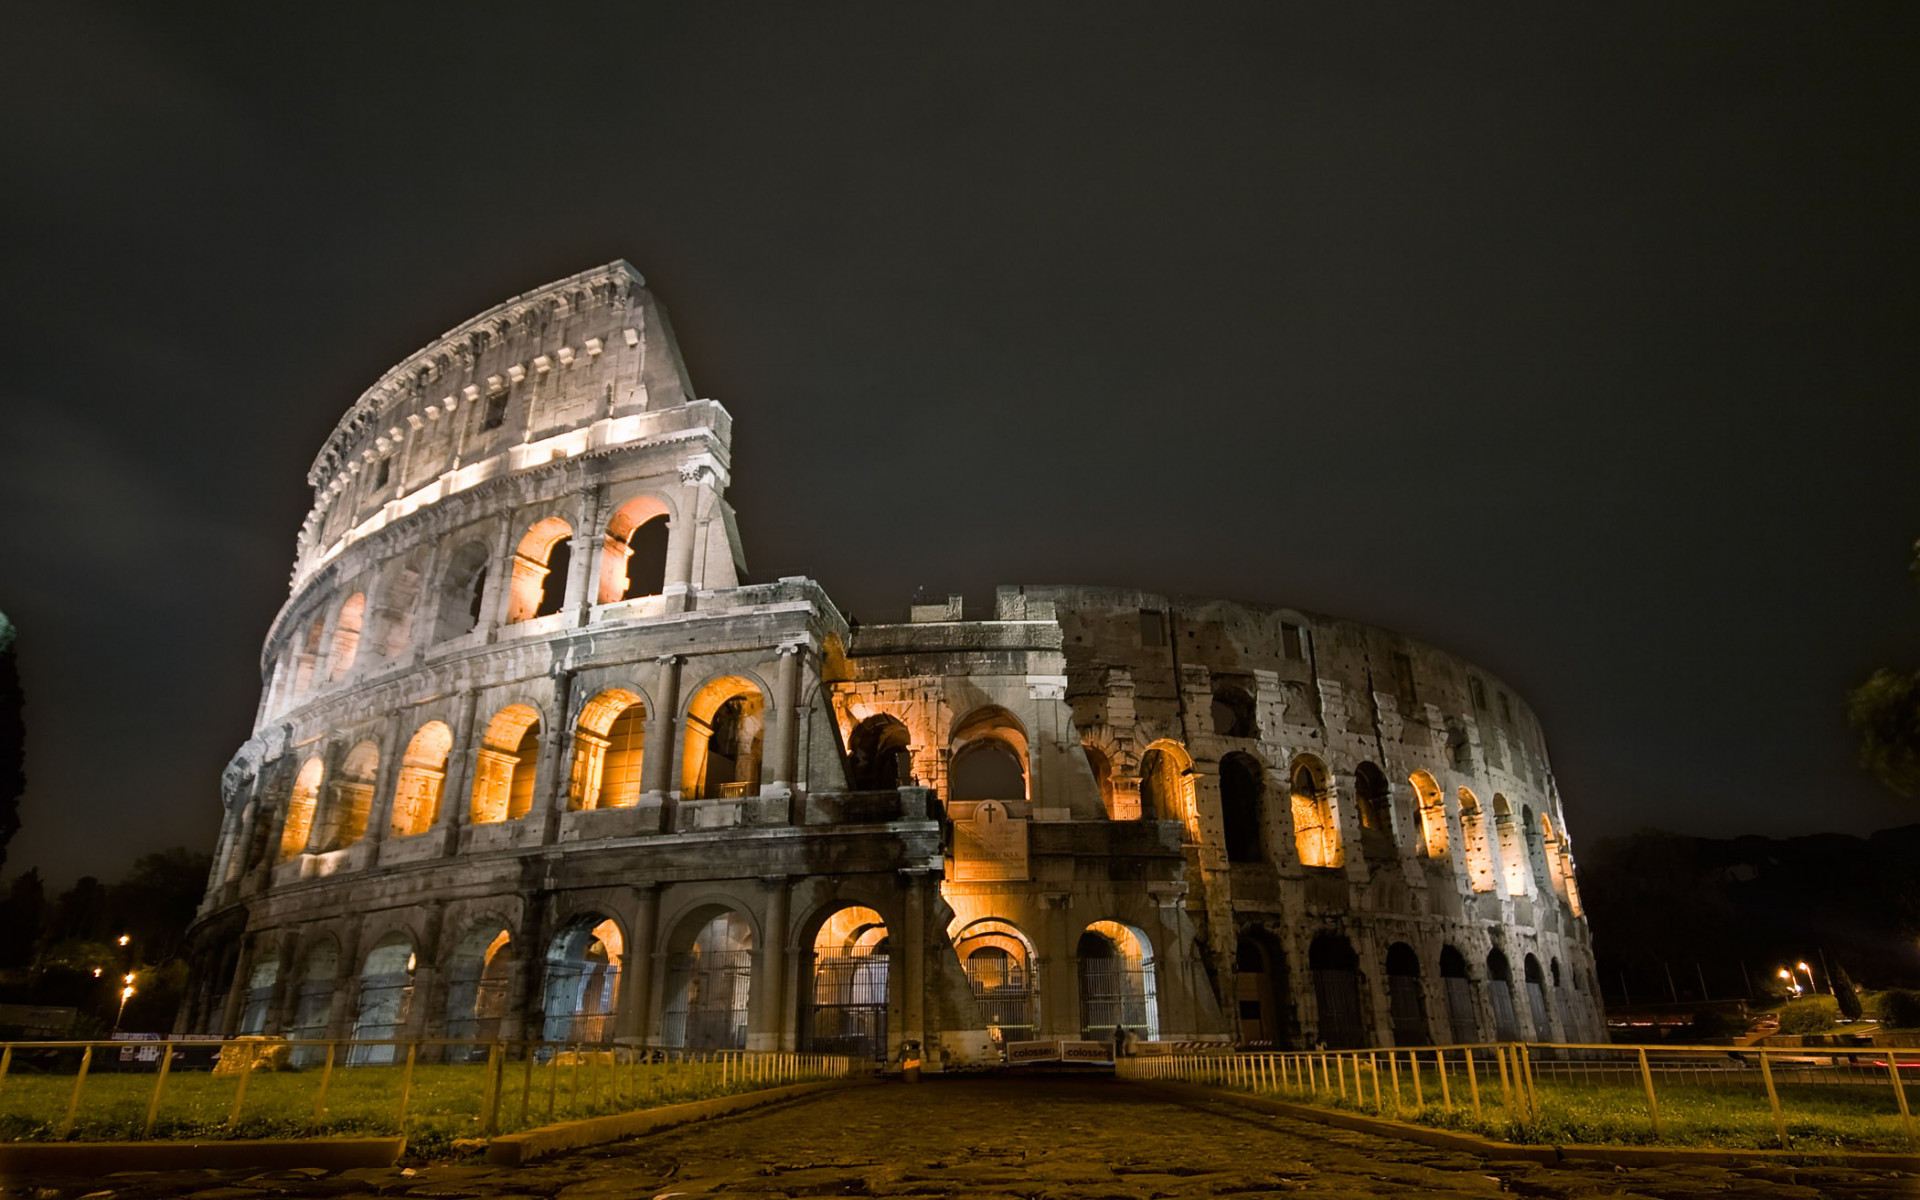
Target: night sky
{"type": "Point", "coordinates": [1579, 340]}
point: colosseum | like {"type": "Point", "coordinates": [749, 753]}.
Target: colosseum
{"type": "Point", "coordinates": [535, 758]}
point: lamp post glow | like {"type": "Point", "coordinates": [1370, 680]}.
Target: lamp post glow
{"type": "Point", "coordinates": [1811, 985]}
{"type": "Point", "coordinates": [1788, 976]}
{"type": "Point", "coordinates": [126, 994]}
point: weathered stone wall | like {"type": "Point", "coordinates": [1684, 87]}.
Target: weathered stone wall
{"type": "Point", "coordinates": [501, 784]}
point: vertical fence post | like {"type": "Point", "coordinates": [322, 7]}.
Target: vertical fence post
{"type": "Point", "coordinates": [1653, 1105]}
{"type": "Point", "coordinates": [239, 1089]}
{"type": "Point", "coordinates": [406, 1088]}
{"type": "Point", "coordinates": [1446, 1089]}
{"type": "Point", "coordinates": [73, 1103]}
{"type": "Point", "coordinates": [320, 1094]}
{"type": "Point", "coordinates": [1533, 1091]}
{"type": "Point", "coordinates": [1393, 1064]}
{"type": "Point", "coordinates": [159, 1085]}
{"type": "Point", "coordinates": [1473, 1085]}
{"type": "Point", "coordinates": [496, 1084]}
{"type": "Point", "coordinates": [1413, 1065]}
{"type": "Point", "coordinates": [1773, 1098]}
{"type": "Point", "coordinates": [6, 1063]}
{"type": "Point", "coordinates": [1506, 1080]}
{"type": "Point", "coordinates": [1899, 1092]}
{"type": "Point", "coordinates": [526, 1080]}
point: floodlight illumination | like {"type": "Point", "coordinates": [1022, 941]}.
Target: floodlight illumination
{"type": "Point", "coordinates": [123, 939]}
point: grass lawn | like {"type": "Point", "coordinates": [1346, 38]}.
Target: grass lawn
{"type": "Point", "coordinates": [444, 1103]}
{"type": "Point", "coordinates": [1850, 1116]}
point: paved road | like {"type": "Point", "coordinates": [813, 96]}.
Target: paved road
{"type": "Point", "coordinates": [993, 1138]}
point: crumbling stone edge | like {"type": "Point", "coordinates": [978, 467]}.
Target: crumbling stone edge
{"type": "Point", "coordinates": [516, 1149]}
{"type": "Point", "coordinates": [105, 1158]}
{"type": "Point", "coordinates": [1620, 1156]}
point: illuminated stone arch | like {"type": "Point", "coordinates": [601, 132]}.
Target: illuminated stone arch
{"type": "Point", "coordinates": [386, 998]}
{"type": "Point", "coordinates": [298, 826]}
{"type": "Point", "coordinates": [988, 757]}
{"type": "Point", "coordinates": [346, 636]}
{"type": "Point", "coordinates": [845, 1012]}
{"type": "Point", "coordinates": [725, 739]}
{"type": "Point", "coordinates": [1119, 988]}
{"type": "Point", "coordinates": [459, 599]}
{"type": "Point", "coordinates": [1476, 843]}
{"type": "Point", "coordinates": [423, 777]}
{"type": "Point", "coordinates": [350, 797]}
{"type": "Point", "coordinates": [1167, 786]}
{"type": "Point", "coordinates": [479, 983]}
{"type": "Point", "coordinates": [709, 980]}
{"type": "Point", "coordinates": [1511, 835]}
{"type": "Point", "coordinates": [633, 554]}
{"type": "Point", "coordinates": [1431, 809]}
{"type": "Point", "coordinates": [308, 654]}
{"type": "Point", "coordinates": [879, 754]}
{"type": "Point", "coordinates": [539, 581]}
{"type": "Point", "coordinates": [609, 741]}
{"type": "Point", "coordinates": [509, 754]}
{"type": "Point", "coordinates": [314, 982]}
{"type": "Point", "coordinates": [1316, 825]}
{"type": "Point", "coordinates": [1003, 970]}
{"type": "Point", "coordinates": [580, 985]}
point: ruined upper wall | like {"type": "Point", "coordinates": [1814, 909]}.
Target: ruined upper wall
{"type": "Point", "coordinates": [585, 362]}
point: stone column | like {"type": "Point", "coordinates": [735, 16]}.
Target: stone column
{"type": "Point", "coordinates": [346, 986]}
{"type": "Point", "coordinates": [286, 985]}
{"type": "Point", "coordinates": [499, 592]}
{"type": "Point", "coordinates": [583, 564]}
{"type": "Point", "coordinates": [685, 533]}
{"type": "Point", "coordinates": [237, 989]}
{"type": "Point", "coordinates": [657, 764]}
{"type": "Point", "coordinates": [766, 1018]}
{"type": "Point", "coordinates": [456, 788]}
{"type": "Point", "coordinates": [633, 1021]}
{"type": "Point", "coordinates": [385, 781]}
{"type": "Point", "coordinates": [785, 719]}
{"type": "Point", "coordinates": [552, 799]}
{"type": "Point", "coordinates": [913, 942]}
{"type": "Point", "coordinates": [1059, 977]}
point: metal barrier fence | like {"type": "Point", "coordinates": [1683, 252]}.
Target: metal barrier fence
{"type": "Point", "coordinates": [137, 1090]}
{"type": "Point", "coordinates": [1863, 1085]}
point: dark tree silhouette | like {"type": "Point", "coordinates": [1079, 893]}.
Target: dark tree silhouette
{"type": "Point", "coordinates": [1886, 711]}
{"type": "Point", "coordinates": [13, 738]}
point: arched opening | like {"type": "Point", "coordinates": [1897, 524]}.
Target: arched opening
{"type": "Point", "coordinates": [1406, 1004]}
{"type": "Point", "coordinates": [1506, 1026]}
{"type": "Point", "coordinates": [633, 556]}
{"type": "Point", "coordinates": [607, 747]}
{"type": "Point", "coordinates": [1117, 987]}
{"type": "Point", "coordinates": [1243, 786]}
{"type": "Point", "coordinates": [999, 961]}
{"type": "Point", "coordinates": [1102, 768]}
{"type": "Point", "coordinates": [1513, 852]}
{"type": "Point", "coordinates": [1166, 785]}
{"type": "Point", "coordinates": [346, 636]}
{"type": "Point", "coordinates": [423, 773]}
{"type": "Point", "coordinates": [477, 986]}
{"type": "Point", "coordinates": [583, 980]}
{"type": "Point", "coordinates": [1233, 712]}
{"type": "Point", "coordinates": [1374, 798]}
{"type": "Point", "coordinates": [989, 758]}
{"type": "Point", "coordinates": [725, 734]}
{"type": "Point", "coordinates": [1554, 852]}
{"type": "Point", "coordinates": [848, 1013]}
{"type": "Point", "coordinates": [309, 655]}
{"type": "Point", "coordinates": [1316, 832]}
{"type": "Point", "coordinates": [386, 995]}
{"type": "Point", "coordinates": [390, 624]}
{"type": "Point", "coordinates": [1569, 1016]}
{"type": "Point", "coordinates": [1536, 984]}
{"type": "Point", "coordinates": [350, 798]}
{"type": "Point", "coordinates": [253, 1018]}
{"type": "Point", "coordinates": [879, 754]}
{"type": "Point", "coordinates": [1462, 1025]}
{"type": "Point", "coordinates": [709, 982]}
{"type": "Point", "coordinates": [503, 777]}
{"type": "Point", "coordinates": [300, 804]}
{"type": "Point", "coordinates": [1261, 991]}
{"type": "Point", "coordinates": [539, 584]}
{"type": "Point", "coordinates": [313, 1001]}
{"type": "Point", "coordinates": [463, 586]}
{"type": "Point", "coordinates": [1336, 990]}
{"type": "Point", "coordinates": [1474, 843]}
{"type": "Point", "coordinates": [1433, 815]}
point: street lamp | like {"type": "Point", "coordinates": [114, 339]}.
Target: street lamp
{"type": "Point", "coordinates": [1811, 986]}
{"type": "Point", "coordinates": [123, 941]}
{"type": "Point", "coordinates": [1788, 976]}
{"type": "Point", "coordinates": [126, 994]}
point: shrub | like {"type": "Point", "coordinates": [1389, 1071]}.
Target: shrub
{"type": "Point", "coordinates": [1900, 1008]}
{"type": "Point", "coordinates": [1810, 1015]}
{"type": "Point", "coordinates": [1843, 988]}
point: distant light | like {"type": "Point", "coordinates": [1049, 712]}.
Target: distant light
{"type": "Point", "coordinates": [96, 972]}
{"type": "Point", "coordinates": [1805, 967]}
{"type": "Point", "coordinates": [410, 960]}
{"type": "Point", "coordinates": [126, 993]}
{"type": "Point", "coordinates": [129, 978]}
{"type": "Point", "coordinates": [1785, 974]}
{"type": "Point", "coordinates": [123, 939]}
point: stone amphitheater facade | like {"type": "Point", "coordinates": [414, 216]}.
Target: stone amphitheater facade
{"type": "Point", "coordinates": [533, 760]}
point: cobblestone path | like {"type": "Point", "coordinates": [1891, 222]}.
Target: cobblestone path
{"type": "Point", "coordinates": [993, 1138]}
